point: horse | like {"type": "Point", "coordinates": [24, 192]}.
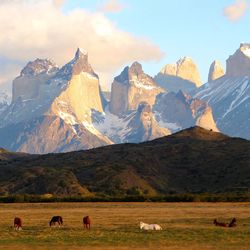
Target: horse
{"type": "Point", "coordinates": [56, 219]}
{"type": "Point", "coordinates": [86, 222]}
{"type": "Point", "coordinates": [17, 223]}
{"type": "Point", "coordinates": [145, 226]}
{"type": "Point", "coordinates": [220, 224]}
{"type": "Point", "coordinates": [232, 223]}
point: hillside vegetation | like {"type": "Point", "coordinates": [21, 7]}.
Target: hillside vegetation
{"type": "Point", "coordinates": [194, 160]}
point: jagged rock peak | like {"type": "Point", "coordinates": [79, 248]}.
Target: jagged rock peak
{"type": "Point", "coordinates": [184, 68]}
{"type": "Point", "coordinates": [238, 64]}
{"type": "Point", "coordinates": [184, 60]}
{"type": "Point", "coordinates": [39, 66]}
{"type": "Point", "coordinates": [129, 73]}
{"type": "Point", "coordinates": [130, 88]}
{"type": "Point", "coordinates": [136, 69]}
{"type": "Point", "coordinates": [215, 71]}
{"type": "Point", "coordinates": [77, 65]}
{"type": "Point", "coordinates": [80, 53]}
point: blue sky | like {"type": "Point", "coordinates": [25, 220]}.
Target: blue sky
{"type": "Point", "coordinates": [195, 28]}
{"type": "Point", "coordinates": [117, 32]}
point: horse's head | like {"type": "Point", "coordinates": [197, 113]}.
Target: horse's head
{"type": "Point", "coordinates": [141, 225]}
{"type": "Point", "coordinates": [215, 221]}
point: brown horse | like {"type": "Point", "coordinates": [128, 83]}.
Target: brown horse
{"type": "Point", "coordinates": [232, 223]}
{"type": "Point", "coordinates": [56, 219]}
{"type": "Point", "coordinates": [220, 224]}
{"type": "Point", "coordinates": [86, 222]}
{"type": "Point", "coordinates": [18, 223]}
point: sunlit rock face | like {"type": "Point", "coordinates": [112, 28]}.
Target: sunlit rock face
{"type": "Point", "coordinates": [132, 87]}
{"type": "Point", "coordinates": [238, 64]}
{"type": "Point", "coordinates": [53, 106]}
{"type": "Point", "coordinates": [177, 111]}
{"type": "Point", "coordinates": [215, 71]}
{"type": "Point", "coordinates": [229, 95]}
{"type": "Point", "coordinates": [81, 93]}
{"type": "Point", "coordinates": [182, 75]}
{"type": "Point", "coordinates": [35, 74]}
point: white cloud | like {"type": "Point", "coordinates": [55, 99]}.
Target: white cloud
{"type": "Point", "coordinates": [38, 28]}
{"type": "Point", "coordinates": [236, 10]}
{"type": "Point", "coordinates": [112, 6]}
{"type": "Point", "coordinates": [58, 3]}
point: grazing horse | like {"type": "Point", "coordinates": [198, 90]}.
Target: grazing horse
{"type": "Point", "coordinates": [86, 222]}
{"type": "Point", "coordinates": [56, 219]}
{"type": "Point", "coordinates": [145, 226]}
{"type": "Point", "coordinates": [220, 224]}
{"type": "Point", "coordinates": [17, 223]}
{"type": "Point", "coordinates": [232, 223]}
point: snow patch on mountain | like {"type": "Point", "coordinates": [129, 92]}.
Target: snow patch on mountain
{"type": "Point", "coordinates": [112, 126]}
{"type": "Point", "coordinates": [229, 98]}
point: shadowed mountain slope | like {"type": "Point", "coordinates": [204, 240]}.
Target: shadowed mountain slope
{"type": "Point", "coordinates": [191, 161]}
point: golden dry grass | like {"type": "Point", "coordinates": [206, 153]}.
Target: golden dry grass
{"type": "Point", "coordinates": [116, 226]}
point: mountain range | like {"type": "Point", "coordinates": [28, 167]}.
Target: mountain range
{"type": "Point", "coordinates": [60, 109]}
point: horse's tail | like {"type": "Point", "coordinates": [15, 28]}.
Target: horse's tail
{"type": "Point", "coordinates": [20, 222]}
{"type": "Point", "coordinates": [51, 221]}
{"type": "Point", "coordinates": [61, 219]}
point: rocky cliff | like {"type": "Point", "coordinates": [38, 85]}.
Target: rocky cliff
{"type": "Point", "coordinates": [177, 111]}
{"type": "Point", "coordinates": [238, 64]}
{"type": "Point", "coordinates": [182, 75]}
{"type": "Point", "coordinates": [132, 87]}
{"type": "Point", "coordinates": [215, 71]}
{"type": "Point", "coordinates": [51, 108]}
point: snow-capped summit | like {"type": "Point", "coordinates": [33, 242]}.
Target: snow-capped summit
{"type": "Point", "coordinates": [245, 49]}
{"type": "Point", "coordinates": [58, 105]}
{"type": "Point", "coordinates": [182, 75]}
{"type": "Point", "coordinates": [229, 95]}
{"type": "Point", "coordinates": [39, 66]}
{"type": "Point", "coordinates": [238, 64]}
{"type": "Point", "coordinates": [130, 88]}
{"type": "Point", "coordinates": [34, 75]}
{"type": "Point", "coordinates": [79, 64]}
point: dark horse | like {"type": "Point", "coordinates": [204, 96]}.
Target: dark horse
{"type": "Point", "coordinates": [232, 223]}
{"type": "Point", "coordinates": [86, 222]}
{"type": "Point", "coordinates": [17, 223]}
{"type": "Point", "coordinates": [220, 224]}
{"type": "Point", "coordinates": [55, 219]}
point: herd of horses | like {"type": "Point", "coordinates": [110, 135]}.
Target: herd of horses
{"type": "Point", "coordinates": [54, 220]}
{"type": "Point", "coordinates": [87, 222]}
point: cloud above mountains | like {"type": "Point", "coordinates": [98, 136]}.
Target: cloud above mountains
{"type": "Point", "coordinates": [39, 28]}
{"type": "Point", "coordinates": [112, 6]}
{"type": "Point", "coordinates": [236, 10]}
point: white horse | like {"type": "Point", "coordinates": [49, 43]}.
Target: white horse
{"type": "Point", "coordinates": [145, 226]}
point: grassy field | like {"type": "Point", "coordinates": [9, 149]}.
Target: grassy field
{"type": "Point", "coordinates": [116, 226]}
